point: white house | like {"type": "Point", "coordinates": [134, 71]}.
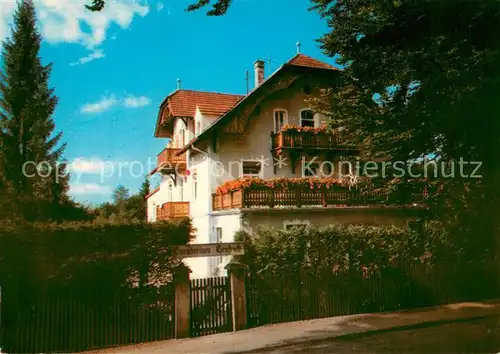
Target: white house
{"type": "Point", "coordinates": [271, 132]}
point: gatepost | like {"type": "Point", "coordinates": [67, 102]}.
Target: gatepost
{"type": "Point", "coordinates": [182, 301]}
{"type": "Point", "coordinates": [237, 275]}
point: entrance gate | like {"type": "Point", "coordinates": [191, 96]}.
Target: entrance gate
{"type": "Point", "coordinates": [210, 298]}
{"type": "Point", "coordinates": [211, 307]}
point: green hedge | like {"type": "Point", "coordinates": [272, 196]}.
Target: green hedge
{"type": "Point", "coordinates": [85, 255]}
{"type": "Point", "coordinates": [77, 286]}
{"type": "Point", "coordinates": [342, 247]}
{"type": "Point", "coordinates": [301, 274]}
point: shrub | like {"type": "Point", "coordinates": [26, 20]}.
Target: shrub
{"type": "Point", "coordinates": [34, 256]}
{"type": "Point", "coordinates": [339, 248]}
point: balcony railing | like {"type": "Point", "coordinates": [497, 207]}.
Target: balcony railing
{"type": "Point", "coordinates": [309, 140]}
{"type": "Point", "coordinates": [172, 210]}
{"type": "Point", "coordinates": [279, 198]}
{"type": "Point", "coordinates": [167, 160]}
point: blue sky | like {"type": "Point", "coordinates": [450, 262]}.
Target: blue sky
{"type": "Point", "coordinates": [112, 70]}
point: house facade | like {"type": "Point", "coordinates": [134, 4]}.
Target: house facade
{"type": "Point", "coordinates": [215, 140]}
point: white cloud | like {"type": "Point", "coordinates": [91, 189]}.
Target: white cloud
{"type": "Point", "coordinates": [159, 6]}
{"type": "Point", "coordinates": [89, 189]}
{"type": "Point", "coordinates": [136, 102]}
{"type": "Point", "coordinates": [97, 54]}
{"type": "Point", "coordinates": [103, 105]}
{"type": "Point", "coordinates": [93, 165]}
{"type": "Point", "coordinates": [6, 10]}
{"type": "Point", "coordinates": [69, 21]}
{"type": "Point", "coordinates": [107, 102]}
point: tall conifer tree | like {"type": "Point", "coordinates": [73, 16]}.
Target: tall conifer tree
{"type": "Point", "coordinates": [27, 137]}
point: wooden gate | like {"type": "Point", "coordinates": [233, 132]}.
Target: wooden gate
{"type": "Point", "coordinates": [211, 308]}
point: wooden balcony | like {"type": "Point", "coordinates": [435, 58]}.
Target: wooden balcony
{"type": "Point", "coordinates": [168, 162]}
{"type": "Point", "coordinates": [172, 210]}
{"type": "Point", "coordinates": [308, 141]}
{"type": "Point", "coordinates": [283, 198]}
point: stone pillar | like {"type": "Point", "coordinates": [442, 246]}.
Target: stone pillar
{"type": "Point", "coordinates": [237, 275]}
{"type": "Point", "coordinates": [182, 308]}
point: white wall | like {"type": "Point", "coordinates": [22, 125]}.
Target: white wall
{"type": "Point", "coordinates": [178, 137]}
{"type": "Point", "coordinates": [199, 208]}
{"type": "Point", "coordinates": [198, 163]}
{"type": "Point", "coordinates": [204, 121]}
{"type": "Point", "coordinates": [230, 223]}
{"type": "Point", "coordinates": [152, 202]}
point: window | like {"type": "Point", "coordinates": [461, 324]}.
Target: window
{"type": "Point", "coordinates": [195, 185]}
{"type": "Point", "coordinates": [170, 192]}
{"type": "Point", "coordinates": [198, 128]}
{"type": "Point", "coordinates": [300, 224]}
{"type": "Point", "coordinates": [153, 213]}
{"type": "Point", "coordinates": [310, 170]}
{"type": "Point", "coordinates": [345, 168]}
{"type": "Point", "coordinates": [218, 232]}
{"type": "Point", "coordinates": [327, 169]}
{"type": "Point", "coordinates": [251, 169]}
{"type": "Point", "coordinates": [183, 138]}
{"type": "Point", "coordinates": [307, 118]}
{"type": "Point", "coordinates": [181, 188]}
{"type": "Point", "coordinates": [280, 118]}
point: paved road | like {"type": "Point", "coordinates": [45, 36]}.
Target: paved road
{"type": "Point", "coordinates": [479, 335]}
{"type": "Point", "coordinates": [460, 328]}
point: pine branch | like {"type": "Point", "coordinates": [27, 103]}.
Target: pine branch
{"type": "Point", "coordinates": [97, 5]}
{"type": "Point", "coordinates": [219, 8]}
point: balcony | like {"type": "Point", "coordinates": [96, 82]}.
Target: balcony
{"type": "Point", "coordinates": [308, 140]}
{"type": "Point", "coordinates": [169, 163]}
{"type": "Point", "coordinates": [172, 210]}
{"type": "Point", "coordinates": [296, 198]}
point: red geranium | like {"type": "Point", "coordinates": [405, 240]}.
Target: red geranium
{"type": "Point", "coordinates": [311, 183]}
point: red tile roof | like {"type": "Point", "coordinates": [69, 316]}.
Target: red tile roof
{"type": "Point", "coordinates": [304, 60]}
{"type": "Point", "coordinates": [183, 103]}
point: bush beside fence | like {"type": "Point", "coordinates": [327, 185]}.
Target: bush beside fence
{"type": "Point", "coordinates": [69, 287]}
{"type": "Point", "coordinates": [310, 273]}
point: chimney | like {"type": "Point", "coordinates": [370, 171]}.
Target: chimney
{"type": "Point", "coordinates": [178, 84]}
{"type": "Point", "coordinates": [259, 72]}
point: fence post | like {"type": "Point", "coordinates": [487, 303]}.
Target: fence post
{"type": "Point", "coordinates": [298, 196]}
{"type": "Point", "coordinates": [237, 275]}
{"type": "Point", "coordinates": [182, 307]}
{"type": "Point", "coordinates": [323, 197]}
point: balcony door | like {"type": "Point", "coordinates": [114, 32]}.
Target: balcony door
{"type": "Point", "coordinates": [280, 119]}
{"type": "Point", "coordinates": [170, 192]}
